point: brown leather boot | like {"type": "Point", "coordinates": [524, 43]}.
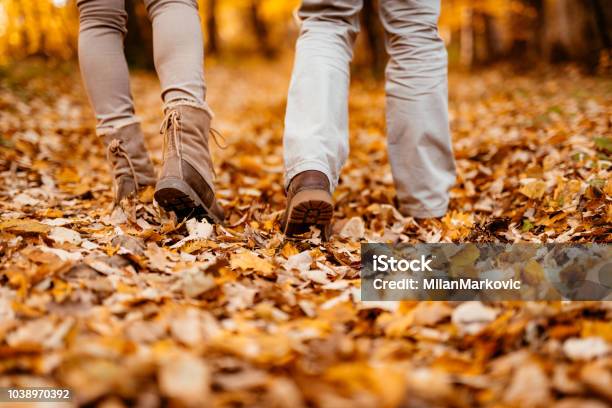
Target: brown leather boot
{"type": "Point", "coordinates": [309, 202]}
{"type": "Point", "coordinates": [186, 182]}
{"type": "Point", "coordinates": [132, 167]}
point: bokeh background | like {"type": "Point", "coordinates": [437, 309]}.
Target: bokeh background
{"type": "Point", "coordinates": [477, 32]}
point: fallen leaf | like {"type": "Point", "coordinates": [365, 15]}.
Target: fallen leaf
{"type": "Point", "coordinates": [529, 387]}
{"type": "Point", "coordinates": [353, 229]}
{"type": "Point", "coordinates": [24, 226]}
{"type": "Point", "coordinates": [239, 296]}
{"type": "Point", "coordinates": [248, 260]}
{"type": "Point", "coordinates": [598, 378]}
{"type": "Point", "coordinates": [198, 230]}
{"type": "Point", "coordinates": [472, 317]}
{"type": "Point", "coordinates": [430, 313]}
{"type": "Point", "coordinates": [185, 378]}
{"type": "Point", "coordinates": [63, 235]}
{"type": "Point", "coordinates": [186, 327]}
{"type": "Point", "coordinates": [534, 189]}
{"type": "Point", "coordinates": [586, 348]}
{"type": "Point", "coordinates": [458, 225]}
{"type": "Point", "coordinates": [300, 261]}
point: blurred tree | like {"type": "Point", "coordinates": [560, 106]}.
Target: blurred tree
{"type": "Point", "coordinates": [575, 30]}
{"type": "Point", "coordinates": [374, 37]}
{"type": "Point", "coordinates": [476, 31]}
{"type": "Point", "coordinates": [260, 29]}
{"type": "Point", "coordinates": [212, 28]}
{"type": "Point", "coordinates": [528, 31]}
{"type": "Point", "coordinates": [37, 28]}
{"type": "Point", "coordinates": [139, 39]}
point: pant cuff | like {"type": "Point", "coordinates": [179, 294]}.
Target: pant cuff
{"type": "Point", "coordinates": [188, 102]}
{"type": "Point", "coordinates": [106, 128]}
{"type": "Point", "coordinates": [305, 165]}
{"type": "Point", "coordinates": [418, 211]}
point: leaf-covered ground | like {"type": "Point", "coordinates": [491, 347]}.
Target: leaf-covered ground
{"type": "Point", "coordinates": [128, 308]}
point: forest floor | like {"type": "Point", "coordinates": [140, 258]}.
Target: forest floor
{"type": "Point", "coordinates": [127, 308]}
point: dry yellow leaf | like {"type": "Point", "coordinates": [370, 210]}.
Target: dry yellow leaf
{"type": "Point", "coordinates": [24, 226]}
{"type": "Point", "coordinates": [534, 189]}
{"type": "Point", "coordinates": [594, 328]}
{"type": "Point", "coordinates": [458, 225]}
{"type": "Point", "coordinates": [250, 261]}
{"type": "Point", "coordinates": [289, 249]}
{"type": "Point", "coordinates": [608, 189]}
{"type": "Point", "coordinates": [67, 175]}
{"type": "Point", "coordinates": [61, 290]}
{"type": "Point", "coordinates": [198, 245]}
{"type": "Point", "coordinates": [51, 213]}
{"type": "Point", "coordinates": [146, 195]}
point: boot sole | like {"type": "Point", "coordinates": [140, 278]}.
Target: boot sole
{"type": "Point", "coordinates": [309, 208]}
{"type": "Point", "coordinates": [176, 195]}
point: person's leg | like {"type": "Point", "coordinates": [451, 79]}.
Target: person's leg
{"type": "Point", "coordinates": [316, 122]}
{"type": "Point", "coordinates": [419, 138]}
{"type": "Point", "coordinates": [186, 182]}
{"type": "Point", "coordinates": [102, 27]}
{"type": "Point", "coordinates": [178, 49]}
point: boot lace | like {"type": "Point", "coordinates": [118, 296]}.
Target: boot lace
{"type": "Point", "coordinates": [116, 150]}
{"type": "Point", "coordinates": [171, 120]}
{"type": "Point", "coordinates": [216, 134]}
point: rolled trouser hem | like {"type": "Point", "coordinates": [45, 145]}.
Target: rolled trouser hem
{"type": "Point", "coordinates": [106, 128]}
{"type": "Point", "coordinates": [309, 165]}
{"type": "Point", "coordinates": [423, 212]}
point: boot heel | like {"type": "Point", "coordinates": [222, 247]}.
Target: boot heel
{"type": "Point", "coordinates": [309, 208]}
{"type": "Point", "coordinates": [176, 195]}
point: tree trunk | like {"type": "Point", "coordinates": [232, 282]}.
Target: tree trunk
{"type": "Point", "coordinates": [260, 30]}
{"type": "Point", "coordinates": [212, 29]}
{"type": "Point", "coordinates": [374, 37]}
{"type": "Point", "coordinates": [575, 31]}
{"type": "Point", "coordinates": [139, 40]}
{"type": "Point", "coordinates": [466, 53]}
{"type": "Point", "coordinates": [71, 41]}
{"type": "Point", "coordinates": [493, 41]}
{"type": "Point", "coordinates": [603, 17]}
{"type": "Point", "coordinates": [25, 39]}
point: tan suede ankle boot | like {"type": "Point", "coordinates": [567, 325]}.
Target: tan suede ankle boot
{"type": "Point", "coordinates": [186, 182]}
{"type": "Point", "coordinates": [127, 154]}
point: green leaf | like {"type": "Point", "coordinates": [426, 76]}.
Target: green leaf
{"type": "Point", "coordinates": [604, 143]}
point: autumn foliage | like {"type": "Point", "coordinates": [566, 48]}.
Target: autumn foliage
{"type": "Point", "coordinates": [127, 306]}
{"type": "Point", "coordinates": [131, 308]}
